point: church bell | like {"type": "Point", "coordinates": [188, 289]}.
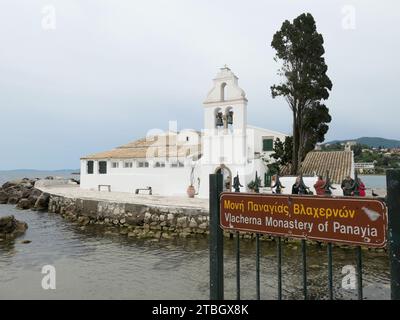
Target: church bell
{"type": "Point", "coordinates": [220, 122]}
{"type": "Point", "coordinates": [229, 117]}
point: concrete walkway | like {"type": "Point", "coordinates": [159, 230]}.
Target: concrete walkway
{"type": "Point", "coordinates": [73, 191]}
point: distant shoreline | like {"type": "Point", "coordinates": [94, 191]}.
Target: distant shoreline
{"type": "Point", "coordinates": [39, 170]}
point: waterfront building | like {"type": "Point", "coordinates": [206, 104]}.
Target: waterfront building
{"type": "Point", "coordinates": [177, 163]}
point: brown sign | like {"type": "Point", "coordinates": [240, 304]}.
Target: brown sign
{"type": "Point", "coordinates": [347, 220]}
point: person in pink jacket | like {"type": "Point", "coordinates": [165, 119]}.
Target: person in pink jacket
{"type": "Point", "coordinates": [319, 186]}
{"type": "Point", "coordinates": [361, 188]}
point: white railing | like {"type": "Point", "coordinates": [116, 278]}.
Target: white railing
{"type": "Point", "coordinates": [364, 165]}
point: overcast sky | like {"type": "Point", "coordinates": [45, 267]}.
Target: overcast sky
{"type": "Point", "coordinates": [81, 76]}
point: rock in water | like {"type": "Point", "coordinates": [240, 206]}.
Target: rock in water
{"type": "Point", "coordinates": [42, 203]}
{"type": "Point", "coordinates": [13, 200]}
{"type": "Point", "coordinates": [11, 228]}
{"type": "Point", "coordinates": [9, 184]}
{"type": "Point", "coordinates": [24, 204]}
{"type": "Point", "coordinates": [34, 196]}
{"type": "Point", "coordinates": [23, 193]}
{"type": "Point", "coordinates": [3, 197]}
{"type": "Point", "coordinates": [7, 224]}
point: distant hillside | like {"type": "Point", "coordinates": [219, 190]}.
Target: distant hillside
{"type": "Point", "coordinates": [372, 142]}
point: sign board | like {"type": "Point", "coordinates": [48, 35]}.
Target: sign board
{"type": "Point", "coordinates": [356, 221]}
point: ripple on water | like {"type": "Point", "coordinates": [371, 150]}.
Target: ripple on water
{"type": "Point", "coordinates": [91, 265]}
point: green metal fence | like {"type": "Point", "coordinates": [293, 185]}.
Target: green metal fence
{"type": "Point", "coordinates": [216, 247]}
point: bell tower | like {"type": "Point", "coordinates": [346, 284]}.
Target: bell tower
{"type": "Point", "coordinates": [225, 121]}
{"type": "Point", "coordinates": [225, 106]}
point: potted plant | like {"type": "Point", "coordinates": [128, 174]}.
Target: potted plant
{"type": "Point", "coordinates": [191, 191]}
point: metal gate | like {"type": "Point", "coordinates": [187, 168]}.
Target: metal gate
{"type": "Point", "coordinates": [216, 247]}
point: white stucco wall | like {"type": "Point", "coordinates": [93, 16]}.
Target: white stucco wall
{"type": "Point", "coordinates": [258, 134]}
{"type": "Point", "coordinates": [229, 80]}
{"type": "Point", "coordinates": [164, 181]}
{"type": "Point", "coordinates": [220, 148]}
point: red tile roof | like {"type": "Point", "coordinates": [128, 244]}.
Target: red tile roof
{"type": "Point", "coordinates": [339, 164]}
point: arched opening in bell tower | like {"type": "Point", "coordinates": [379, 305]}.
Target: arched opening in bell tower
{"type": "Point", "coordinates": [223, 91]}
{"type": "Point", "coordinates": [229, 118]}
{"type": "Point", "coordinates": [219, 118]}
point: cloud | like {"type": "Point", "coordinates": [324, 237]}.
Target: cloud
{"type": "Point", "coordinates": [110, 71]}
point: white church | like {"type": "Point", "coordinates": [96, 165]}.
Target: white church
{"type": "Point", "coordinates": [179, 163]}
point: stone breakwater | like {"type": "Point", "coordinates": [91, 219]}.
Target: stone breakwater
{"type": "Point", "coordinates": [24, 195]}
{"type": "Point", "coordinates": [133, 220]}
{"type": "Point", "coordinates": [139, 220]}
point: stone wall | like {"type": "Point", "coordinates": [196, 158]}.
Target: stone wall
{"type": "Point", "coordinates": [135, 220]}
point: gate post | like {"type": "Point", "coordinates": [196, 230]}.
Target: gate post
{"type": "Point", "coordinates": [216, 240]}
{"type": "Point", "coordinates": [393, 203]}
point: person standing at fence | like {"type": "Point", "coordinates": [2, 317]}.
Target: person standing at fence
{"type": "Point", "coordinates": [347, 186]}
{"type": "Point", "coordinates": [319, 186]}
{"type": "Point", "coordinates": [361, 188]}
{"type": "Point", "coordinates": [296, 186]}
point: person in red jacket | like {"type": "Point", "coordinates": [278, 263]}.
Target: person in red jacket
{"type": "Point", "coordinates": [319, 186]}
{"type": "Point", "coordinates": [361, 188]}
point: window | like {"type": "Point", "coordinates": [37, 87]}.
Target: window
{"type": "Point", "coordinates": [128, 165]}
{"type": "Point", "coordinates": [115, 165]}
{"type": "Point", "coordinates": [90, 165]}
{"type": "Point", "coordinates": [143, 164]}
{"type": "Point", "coordinates": [159, 164]}
{"type": "Point", "coordinates": [103, 167]}
{"type": "Point", "coordinates": [268, 144]}
{"type": "Point", "coordinates": [179, 164]}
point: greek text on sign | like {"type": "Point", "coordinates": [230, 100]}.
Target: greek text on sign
{"type": "Point", "coordinates": [346, 220]}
